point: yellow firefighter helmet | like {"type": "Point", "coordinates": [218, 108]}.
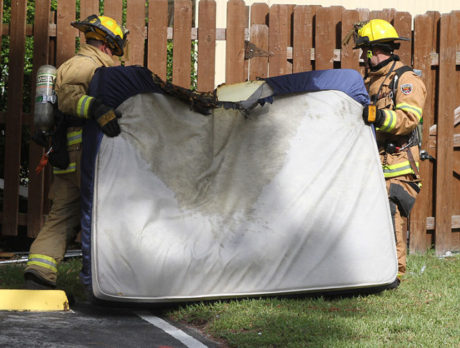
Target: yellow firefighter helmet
{"type": "Point", "coordinates": [376, 31]}
{"type": "Point", "coordinates": [105, 29]}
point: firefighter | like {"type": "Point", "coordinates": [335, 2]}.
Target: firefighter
{"type": "Point", "coordinates": [397, 97]}
{"type": "Point", "coordinates": [104, 39]}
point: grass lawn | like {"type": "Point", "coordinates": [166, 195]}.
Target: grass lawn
{"type": "Point", "coordinates": [423, 312]}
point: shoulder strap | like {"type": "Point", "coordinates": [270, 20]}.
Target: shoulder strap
{"type": "Point", "coordinates": [394, 83]}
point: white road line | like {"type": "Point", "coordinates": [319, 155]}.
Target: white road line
{"type": "Point", "coordinates": [178, 334]}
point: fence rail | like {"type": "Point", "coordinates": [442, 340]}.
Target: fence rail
{"type": "Point", "coordinates": [260, 41]}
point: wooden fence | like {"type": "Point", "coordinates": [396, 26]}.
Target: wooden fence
{"type": "Point", "coordinates": [261, 41]}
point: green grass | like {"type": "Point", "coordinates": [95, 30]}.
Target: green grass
{"type": "Point", "coordinates": [423, 312]}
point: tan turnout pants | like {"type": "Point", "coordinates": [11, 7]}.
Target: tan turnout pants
{"type": "Point", "coordinates": [401, 193]}
{"type": "Point", "coordinates": [61, 225]}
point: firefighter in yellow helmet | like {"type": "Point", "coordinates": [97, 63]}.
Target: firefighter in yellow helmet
{"type": "Point", "coordinates": [397, 98]}
{"type": "Point", "coordinates": [104, 38]}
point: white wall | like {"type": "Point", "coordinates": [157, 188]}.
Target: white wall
{"type": "Point", "coordinates": [414, 7]}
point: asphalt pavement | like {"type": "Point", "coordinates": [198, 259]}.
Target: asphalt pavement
{"type": "Point", "coordinates": [90, 325]}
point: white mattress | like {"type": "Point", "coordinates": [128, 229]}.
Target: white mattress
{"type": "Point", "coordinates": [291, 199]}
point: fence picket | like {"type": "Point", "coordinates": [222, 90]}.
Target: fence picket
{"type": "Point", "coordinates": [157, 35]}
{"type": "Point", "coordinates": [14, 117]}
{"type": "Point", "coordinates": [206, 45]}
{"type": "Point", "coordinates": [135, 22]}
{"type": "Point", "coordinates": [444, 138]}
{"type": "Point", "coordinates": [87, 8]}
{"type": "Point", "coordinates": [65, 33]}
{"type": "Point", "coordinates": [277, 40]}
{"type": "Point", "coordinates": [35, 204]}
{"type": "Point", "coordinates": [234, 62]}
{"type": "Point", "coordinates": [326, 40]}
{"type": "Point", "coordinates": [456, 202]}
{"type": "Point", "coordinates": [182, 43]}
{"type": "Point", "coordinates": [349, 57]}
{"type": "Point", "coordinates": [259, 13]}
{"type": "Point", "coordinates": [403, 26]}
{"type": "Point", "coordinates": [303, 39]}
{"type": "Point", "coordinates": [258, 65]}
{"type": "Point", "coordinates": [114, 9]}
{"type": "Point", "coordinates": [424, 41]}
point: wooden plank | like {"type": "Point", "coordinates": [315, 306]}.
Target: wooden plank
{"type": "Point", "coordinates": [455, 237]}
{"type": "Point", "coordinates": [327, 39]}
{"type": "Point", "coordinates": [303, 39]}
{"type": "Point", "coordinates": [157, 32]}
{"type": "Point", "coordinates": [289, 34]}
{"type": "Point", "coordinates": [385, 14]}
{"type": "Point", "coordinates": [349, 57]}
{"type": "Point", "coordinates": [403, 26]}
{"type": "Point", "coordinates": [258, 35]}
{"type": "Point", "coordinates": [2, 29]}
{"type": "Point", "coordinates": [277, 40]}
{"type": "Point", "coordinates": [259, 13]}
{"type": "Point", "coordinates": [13, 117]}
{"type": "Point", "coordinates": [246, 33]}
{"type": "Point", "coordinates": [114, 9]}
{"type": "Point", "coordinates": [87, 8]}
{"type": "Point", "coordinates": [259, 65]}
{"type": "Point", "coordinates": [135, 22]}
{"type": "Point", "coordinates": [234, 60]}
{"type": "Point", "coordinates": [425, 41]}
{"type": "Point", "coordinates": [364, 14]}
{"type": "Point", "coordinates": [206, 45]}
{"type": "Point", "coordinates": [65, 33]}
{"type": "Point", "coordinates": [182, 43]}
{"type": "Point", "coordinates": [446, 107]}
{"type": "Point", "coordinates": [431, 222]}
{"type": "Point", "coordinates": [457, 110]}
{"type": "Point", "coordinates": [35, 203]}
{"type": "Point", "coordinates": [22, 218]}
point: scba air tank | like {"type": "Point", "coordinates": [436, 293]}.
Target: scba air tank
{"type": "Point", "coordinates": [45, 98]}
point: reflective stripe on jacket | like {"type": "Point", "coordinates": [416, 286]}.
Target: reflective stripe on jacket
{"type": "Point", "coordinates": [72, 81]}
{"type": "Point", "coordinates": [402, 115]}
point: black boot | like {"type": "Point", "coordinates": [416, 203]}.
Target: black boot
{"type": "Point", "coordinates": [33, 281]}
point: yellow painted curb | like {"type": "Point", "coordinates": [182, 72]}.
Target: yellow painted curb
{"type": "Point", "coordinates": [33, 300]}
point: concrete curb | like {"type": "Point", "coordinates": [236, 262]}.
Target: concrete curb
{"type": "Point", "coordinates": [33, 300]}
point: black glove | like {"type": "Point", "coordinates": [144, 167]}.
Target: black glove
{"type": "Point", "coordinates": [373, 115]}
{"type": "Point", "coordinates": [106, 117]}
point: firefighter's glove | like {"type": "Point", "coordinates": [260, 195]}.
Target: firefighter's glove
{"type": "Point", "coordinates": [373, 115]}
{"type": "Point", "coordinates": [106, 117]}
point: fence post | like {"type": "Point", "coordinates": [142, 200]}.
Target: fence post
{"type": "Point", "coordinates": [444, 137]}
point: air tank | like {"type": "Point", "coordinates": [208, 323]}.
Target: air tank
{"type": "Point", "coordinates": [45, 98]}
